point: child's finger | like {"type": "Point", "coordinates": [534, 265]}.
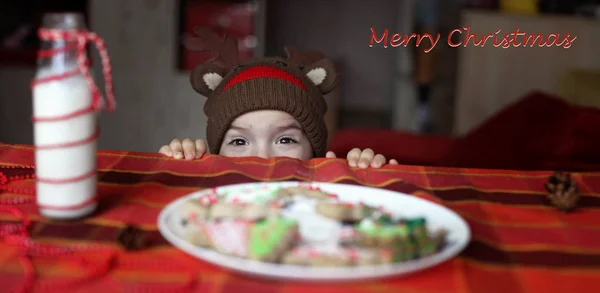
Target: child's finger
{"type": "Point", "coordinates": [393, 162]}
{"type": "Point", "coordinates": [189, 149]}
{"type": "Point", "coordinates": [177, 149]}
{"type": "Point", "coordinates": [378, 161]}
{"type": "Point", "coordinates": [353, 157]}
{"type": "Point", "coordinates": [366, 157]}
{"type": "Point", "coordinates": [165, 150]}
{"type": "Point", "coordinates": [330, 155]}
{"type": "Point", "coordinates": [200, 148]}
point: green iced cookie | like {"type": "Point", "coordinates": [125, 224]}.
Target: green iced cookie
{"type": "Point", "coordinates": [374, 229]}
{"type": "Point", "coordinates": [428, 248]}
{"type": "Point", "coordinates": [417, 227]}
{"type": "Point", "coordinates": [269, 237]}
{"type": "Point", "coordinates": [404, 250]}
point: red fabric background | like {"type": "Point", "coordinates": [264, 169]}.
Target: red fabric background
{"type": "Point", "coordinates": [539, 131]}
{"type": "Point", "coordinates": [407, 148]}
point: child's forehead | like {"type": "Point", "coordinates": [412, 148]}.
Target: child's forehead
{"type": "Point", "coordinates": [256, 119]}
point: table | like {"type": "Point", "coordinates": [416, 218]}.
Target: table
{"type": "Point", "coordinates": [520, 244]}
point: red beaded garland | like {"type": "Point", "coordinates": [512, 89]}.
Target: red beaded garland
{"type": "Point", "coordinates": [4, 180]}
{"type": "Point", "coordinates": [17, 234]}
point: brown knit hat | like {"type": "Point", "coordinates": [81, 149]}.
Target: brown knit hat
{"type": "Point", "coordinates": [295, 85]}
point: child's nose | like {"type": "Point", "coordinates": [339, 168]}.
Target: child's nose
{"type": "Point", "coordinates": [263, 153]}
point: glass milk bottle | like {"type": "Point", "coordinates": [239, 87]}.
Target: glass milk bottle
{"type": "Point", "coordinates": [64, 125]}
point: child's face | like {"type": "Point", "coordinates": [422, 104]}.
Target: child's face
{"type": "Point", "coordinates": [266, 134]}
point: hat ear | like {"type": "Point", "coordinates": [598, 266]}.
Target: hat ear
{"type": "Point", "coordinates": [322, 73]}
{"type": "Point", "coordinates": [205, 78]}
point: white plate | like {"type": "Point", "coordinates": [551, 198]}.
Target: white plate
{"type": "Point", "coordinates": [397, 203]}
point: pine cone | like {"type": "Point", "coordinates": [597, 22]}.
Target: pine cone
{"type": "Point", "coordinates": [131, 238]}
{"type": "Point", "coordinates": [563, 192]}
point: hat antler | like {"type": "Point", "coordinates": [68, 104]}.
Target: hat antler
{"type": "Point", "coordinates": [302, 59]}
{"type": "Point", "coordinates": [225, 48]}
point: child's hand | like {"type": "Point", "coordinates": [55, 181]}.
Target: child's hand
{"type": "Point", "coordinates": [364, 159]}
{"type": "Point", "coordinates": [187, 148]}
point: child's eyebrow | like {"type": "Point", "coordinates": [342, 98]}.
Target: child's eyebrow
{"type": "Point", "coordinates": [290, 125]}
{"type": "Point", "coordinates": [282, 127]}
{"type": "Point", "coordinates": [239, 128]}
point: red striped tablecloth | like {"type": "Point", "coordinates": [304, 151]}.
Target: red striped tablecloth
{"type": "Point", "coordinates": [520, 244]}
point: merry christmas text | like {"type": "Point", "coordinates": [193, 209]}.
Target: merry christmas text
{"type": "Point", "coordinates": [464, 37]}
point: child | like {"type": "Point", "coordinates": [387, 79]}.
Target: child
{"type": "Point", "coordinates": [266, 107]}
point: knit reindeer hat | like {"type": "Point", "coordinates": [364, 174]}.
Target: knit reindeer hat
{"type": "Point", "coordinates": [295, 85]}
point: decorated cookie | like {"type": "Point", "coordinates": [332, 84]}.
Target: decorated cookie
{"type": "Point", "coordinates": [345, 212]}
{"type": "Point", "coordinates": [270, 238]}
{"type": "Point", "coordinates": [260, 195]}
{"type": "Point", "coordinates": [315, 228]}
{"type": "Point", "coordinates": [196, 236]}
{"type": "Point", "coordinates": [320, 256]}
{"type": "Point", "coordinates": [197, 209]}
{"type": "Point", "coordinates": [302, 225]}
{"type": "Point", "coordinates": [347, 235]}
{"type": "Point", "coordinates": [373, 233]}
{"type": "Point", "coordinates": [335, 256]}
{"type": "Point", "coordinates": [307, 191]}
{"type": "Point", "coordinates": [245, 211]}
{"type": "Point", "coordinates": [407, 238]}
{"type": "Point", "coordinates": [228, 237]}
{"type": "Point", "coordinates": [404, 250]}
{"type": "Point", "coordinates": [429, 243]}
{"type": "Point", "coordinates": [375, 256]}
{"type": "Point", "coordinates": [193, 213]}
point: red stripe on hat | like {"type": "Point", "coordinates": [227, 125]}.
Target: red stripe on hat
{"type": "Point", "coordinates": [262, 72]}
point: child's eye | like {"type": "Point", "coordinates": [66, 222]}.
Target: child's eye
{"type": "Point", "coordinates": [286, 140]}
{"type": "Point", "coordinates": [238, 142]}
